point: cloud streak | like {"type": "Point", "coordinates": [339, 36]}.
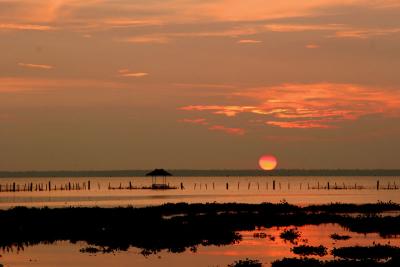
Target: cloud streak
{"type": "Point", "coordinates": [25, 27]}
{"type": "Point", "coordinates": [199, 121]}
{"type": "Point", "coordinates": [36, 66]}
{"type": "Point", "coordinates": [128, 73]}
{"type": "Point", "coordinates": [249, 41]}
{"type": "Point", "coordinates": [227, 130]}
{"type": "Point", "coordinates": [323, 105]}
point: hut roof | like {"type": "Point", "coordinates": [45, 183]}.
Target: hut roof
{"type": "Point", "coordinates": [159, 172]}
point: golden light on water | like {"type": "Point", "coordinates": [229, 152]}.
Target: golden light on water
{"type": "Point", "coordinates": [268, 162]}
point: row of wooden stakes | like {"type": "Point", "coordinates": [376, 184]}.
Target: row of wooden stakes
{"type": "Point", "coordinates": [71, 186]}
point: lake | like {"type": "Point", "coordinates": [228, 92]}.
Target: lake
{"type": "Point", "coordinates": [295, 190]}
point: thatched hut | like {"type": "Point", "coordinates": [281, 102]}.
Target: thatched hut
{"type": "Point", "coordinates": [159, 173]}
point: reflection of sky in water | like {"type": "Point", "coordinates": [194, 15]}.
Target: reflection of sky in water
{"type": "Point", "coordinates": [297, 190]}
{"type": "Point", "coordinates": [264, 249]}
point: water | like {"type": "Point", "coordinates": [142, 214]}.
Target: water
{"type": "Point", "coordinates": [295, 190]}
{"type": "Point", "coordinates": [65, 254]}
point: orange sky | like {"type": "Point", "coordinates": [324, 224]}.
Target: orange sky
{"type": "Point", "coordinates": [102, 84]}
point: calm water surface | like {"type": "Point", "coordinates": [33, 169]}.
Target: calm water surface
{"type": "Point", "coordinates": [264, 249]}
{"type": "Point", "coordinates": [296, 190]}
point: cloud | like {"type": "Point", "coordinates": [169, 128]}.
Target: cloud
{"type": "Point", "coordinates": [338, 30]}
{"type": "Point", "coordinates": [25, 27]}
{"type": "Point", "coordinates": [365, 33]}
{"type": "Point", "coordinates": [200, 121]}
{"type": "Point", "coordinates": [312, 46]}
{"type": "Point", "coordinates": [204, 85]}
{"type": "Point", "coordinates": [147, 39]}
{"type": "Point", "coordinates": [167, 37]}
{"type": "Point", "coordinates": [232, 131]}
{"type": "Point", "coordinates": [128, 73]}
{"type": "Point", "coordinates": [300, 124]}
{"type": "Point", "coordinates": [249, 41]}
{"type": "Point", "coordinates": [36, 66]}
{"type": "Point", "coordinates": [204, 122]}
{"type": "Point", "coordinates": [302, 27]}
{"type": "Point", "coordinates": [27, 84]}
{"type": "Point", "coordinates": [320, 105]}
{"type": "Point", "coordinates": [229, 111]}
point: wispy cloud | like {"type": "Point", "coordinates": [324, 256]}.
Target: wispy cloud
{"type": "Point", "coordinates": [302, 27]}
{"type": "Point", "coordinates": [204, 85]}
{"type": "Point", "coordinates": [36, 66]}
{"type": "Point", "coordinates": [300, 124]}
{"type": "Point", "coordinates": [129, 73]}
{"type": "Point", "coordinates": [146, 39]}
{"type": "Point", "coordinates": [221, 128]}
{"type": "Point", "coordinates": [322, 105]}
{"type": "Point", "coordinates": [312, 46]}
{"type": "Point", "coordinates": [229, 111]}
{"type": "Point", "coordinates": [228, 130]}
{"type": "Point", "coordinates": [200, 121]}
{"type": "Point", "coordinates": [25, 84]}
{"type": "Point", "coordinates": [249, 41]}
{"type": "Point", "coordinates": [365, 33]}
{"type": "Point", "coordinates": [25, 27]}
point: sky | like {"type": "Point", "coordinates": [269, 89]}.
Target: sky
{"type": "Point", "coordinates": [199, 84]}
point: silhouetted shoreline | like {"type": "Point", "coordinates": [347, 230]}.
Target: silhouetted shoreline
{"type": "Point", "coordinates": [177, 227]}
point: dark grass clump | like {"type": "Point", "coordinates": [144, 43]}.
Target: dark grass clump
{"type": "Point", "coordinates": [377, 252]}
{"type": "Point", "coordinates": [94, 250]}
{"type": "Point", "coordinates": [290, 235]}
{"type": "Point", "coordinates": [295, 262]}
{"type": "Point", "coordinates": [307, 262]}
{"type": "Point", "coordinates": [336, 236]}
{"type": "Point", "coordinates": [246, 263]}
{"type": "Point", "coordinates": [305, 250]}
{"type": "Point", "coordinates": [355, 208]}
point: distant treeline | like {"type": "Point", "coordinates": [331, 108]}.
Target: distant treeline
{"type": "Point", "coordinates": [212, 173]}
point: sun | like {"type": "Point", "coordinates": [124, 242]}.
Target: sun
{"type": "Point", "coordinates": [268, 162]}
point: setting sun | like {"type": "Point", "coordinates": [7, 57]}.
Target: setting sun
{"type": "Point", "coordinates": [268, 162]}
